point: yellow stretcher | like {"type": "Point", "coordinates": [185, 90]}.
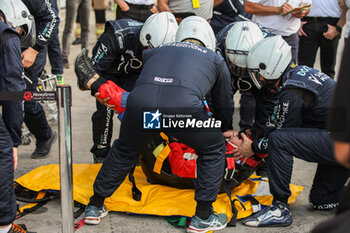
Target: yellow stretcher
{"type": "Point", "coordinates": [156, 199]}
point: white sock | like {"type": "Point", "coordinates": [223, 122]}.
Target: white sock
{"type": "Point", "coordinates": [5, 229]}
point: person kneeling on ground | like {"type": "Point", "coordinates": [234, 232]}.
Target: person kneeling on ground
{"type": "Point", "coordinates": [297, 128]}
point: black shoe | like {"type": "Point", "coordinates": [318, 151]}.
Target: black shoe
{"type": "Point", "coordinates": [42, 149]}
{"type": "Point", "coordinates": [76, 41]}
{"type": "Point", "coordinates": [83, 69]}
{"type": "Point", "coordinates": [65, 63]}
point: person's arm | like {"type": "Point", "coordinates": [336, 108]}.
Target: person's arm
{"type": "Point", "coordinates": [218, 2]}
{"type": "Point", "coordinates": [302, 14]}
{"type": "Point", "coordinates": [222, 97]}
{"type": "Point", "coordinates": [163, 5]}
{"type": "Point", "coordinates": [47, 20]}
{"type": "Point", "coordinates": [342, 5]}
{"type": "Point", "coordinates": [342, 153]}
{"type": "Point", "coordinates": [290, 114]}
{"type": "Point", "coordinates": [122, 4]}
{"type": "Point", "coordinates": [258, 9]}
{"type": "Point", "coordinates": [106, 52]}
{"type": "Point", "coordinates": [333, 31]}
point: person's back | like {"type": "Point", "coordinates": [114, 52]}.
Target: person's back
{"type": "Point", "coordinates": [186, 73]}
{"type": "Point", "coordinates": [315, 89]}
{"type": "Point", "coordinates": [301, 100]}
{"type": "Point", "coordinates": [117, 55]}
{"type": "Point", "coordinates": [191, 70]}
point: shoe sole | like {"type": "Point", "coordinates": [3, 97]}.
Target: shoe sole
{"type": "Point", "coordinates": [193, 230]}
{"type": "Point", "coordinates": [94, 221]}
{"type": "Point", "coordinates": [43, 157]}
{"type": "Point", "coordinates": [277, 225]}
{"type": "Point", "coordinates": [79, 56]}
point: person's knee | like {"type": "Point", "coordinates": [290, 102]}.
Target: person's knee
{"type": "Point", "coordinates": [277, 139]}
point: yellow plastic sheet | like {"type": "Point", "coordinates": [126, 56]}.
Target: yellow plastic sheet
{"type": "Point", "coordinates": [156, 199]}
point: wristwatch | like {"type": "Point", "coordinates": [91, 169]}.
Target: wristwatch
{"type": "Point", "coordinates": [338, 28]}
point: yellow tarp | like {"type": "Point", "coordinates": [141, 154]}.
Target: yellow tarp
{"type": "Point", "coordinates": [156, 199]}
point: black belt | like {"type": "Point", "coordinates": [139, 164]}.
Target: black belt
{"type": "Point", "coordinates": [330, 20]}
{"type": "Point", "coordinates": [140, 6]}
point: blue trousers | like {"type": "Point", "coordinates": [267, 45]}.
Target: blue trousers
{"type": "Point", "coordinates": [8, 205]}
{"type": "Point", "coordinates": [208, 143]}
{"type": "Point", "coordinates": [311, 145]}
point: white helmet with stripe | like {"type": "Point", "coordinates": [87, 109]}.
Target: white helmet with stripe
{"type": "Point", "coordinates": [239, 40]}
{"type": "Point", "coordinates": [17, 16]}
{"type": "Point", "coordinates": [198, 29]}
{"type": "Point", "coordinates": [158, 29]}
{"type": "Point", "coordinates": [268, 59]}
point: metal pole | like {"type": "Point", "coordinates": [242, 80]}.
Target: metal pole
{"type": "Point", "coordinates": [65, 151]}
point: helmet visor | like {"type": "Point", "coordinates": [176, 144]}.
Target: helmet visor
{"type": "Point", "coordinates": [238, 71]}
{"type": "Point", "coordinates": [235, 69]}
{"type": "Point", "coordinates": [255, 76]}
{"type": "Point", "coordinates": [29, 34]}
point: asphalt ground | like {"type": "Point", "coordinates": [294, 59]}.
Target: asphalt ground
{"type": "Point", "coordinates": [48, 217]}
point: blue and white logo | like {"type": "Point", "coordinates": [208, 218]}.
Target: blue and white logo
{"type": "Point", "coordinates": [151, 120]}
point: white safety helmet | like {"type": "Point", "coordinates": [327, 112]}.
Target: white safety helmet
{"type": "Point", "coordinates": [196, 28]}
{"type": "Point", "coordinates": [158, 29]}
{"type": "Point", "coordinates": [239, 40]}
{"type": "Point", "coordinates": [268, 58]}
{"type": "Point", "coordinates": [18, 16]}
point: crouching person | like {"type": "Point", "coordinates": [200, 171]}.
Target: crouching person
{"type": "Point", "coordinates": [298, 129]}
{"type": "Point", "coordinates": [185, 73]}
